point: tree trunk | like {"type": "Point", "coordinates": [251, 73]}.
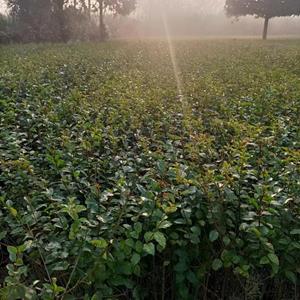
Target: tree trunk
{"type": "Point", "coordinates": [60, 19]}
{"type": "Point", "coordinates": [101, 20]}
{"type": "Point", "coordinates": [89, 8]}
{"type": "Point", "coordinates": [266, 26]}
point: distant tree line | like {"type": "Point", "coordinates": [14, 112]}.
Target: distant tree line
{"type": "Point", "coordinates": [59, 20]}
{"type": "Point", "coordinates": [64, 20]}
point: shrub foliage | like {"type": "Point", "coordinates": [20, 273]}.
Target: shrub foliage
{"type": "Point", "coordinates": [113, 187]}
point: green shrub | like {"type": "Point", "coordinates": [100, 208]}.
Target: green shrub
{"type": "Point", "coordinates": [112, 188]}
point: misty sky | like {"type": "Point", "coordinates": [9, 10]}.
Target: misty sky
{"type": "Point", "coordinates": [184, 18]}
{"type": "Point", "coordinates": [202, 5]}
{"type": "Point", "coordinates": [2, 5]}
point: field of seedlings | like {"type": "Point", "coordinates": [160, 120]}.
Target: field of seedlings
{"type": "Point", "coordinates": [116, 185]}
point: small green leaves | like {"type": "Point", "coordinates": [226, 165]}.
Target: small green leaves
{"type": "Point", "coordinates": [100, 243]}
{"type": "Point", "coordinates": [295, 232]}
{"type": "Point", "coordinates": [149, 236]}
{"type": "Point", "coordinates": [213, 235]}
{"type": "Point", "coordinates": [13, 211]}
{"type": "Point", "coordinates": [135, 259]}
{"type": "Point", "coordinates": [273, 259]}
{"type": "Point", "coordinates": [59, 266]}
{"type": "Point", "coordinates": [149, 248]}
{"type": "Point", "coordinates": [160, 238]}
{"type": "Point", "coordinates": [13, 251]}
{"type": "Point", "coordinates": [291, 276]}
{"type": "Point", "coordinates": [164, 224]}
{"type": "Point", "coordinates": [138, 227]}
{"type": "Point", "coordinates": [226, 240]}
{"type": "Point", "coordinates": [3, 234]}
{"type": "Point", "coordinates": [73, 209]}
{"type": "Point", "coordinates": [110, 185]}
{"type": "Point", "coordinates": [264, 260]}
{"type": "Point", "coordinates": [190, 191]}
{"type": "Point", "coordinates": [217, 264]}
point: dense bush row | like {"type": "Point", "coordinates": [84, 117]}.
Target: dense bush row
{"type": "Point", "coordinates": [113, 187]}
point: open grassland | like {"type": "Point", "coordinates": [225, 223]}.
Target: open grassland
{"type": "Point", "coordinates": [113, 186]}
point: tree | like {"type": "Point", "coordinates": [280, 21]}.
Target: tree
{"type": "Point", "coordinates": [115, 7]}
{"type": "Point", "coordinates": [5, 25]}
{"type": "Point", "coordinates": [38, 20]}
{"type": "Point", "coordinates": [58, 20]}
{"type": "Point", "coordinates": [32, 17]}
{"type": "Point", "coordinates": [266, 9]}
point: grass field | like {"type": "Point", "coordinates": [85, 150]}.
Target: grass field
{"type": "Point", "coordinates": [113, 186]}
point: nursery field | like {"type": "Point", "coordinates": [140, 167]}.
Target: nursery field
{"type": "Point", "coordinates": [142, 170]}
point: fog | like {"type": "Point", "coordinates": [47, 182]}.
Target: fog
{"type": "Point", "coordinates": [2, 6]}
{"type": "Point", "coordinates": [191, 18]}
{"type": "Point", "coordinates": [201, 18]}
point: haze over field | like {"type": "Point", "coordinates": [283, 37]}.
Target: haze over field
{"type": "Point", "coordinates": [191, 18]}
{"type": "Point", "coordinates": [205, 18]}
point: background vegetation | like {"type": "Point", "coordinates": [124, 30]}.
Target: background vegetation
{"type": "Point", "coordinates": [114, 187]}
{"type": "Point", "coordinates": [75, 20]}
{"type": "Point", "coordinates": [60, 20]}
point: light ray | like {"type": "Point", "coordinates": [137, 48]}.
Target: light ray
{"type": "Point", "coordinates": [172, 51]}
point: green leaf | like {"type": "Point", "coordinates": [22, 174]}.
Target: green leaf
{"type": "Point", "coordinates": [101, 243]}
{"type": "Point", "coordinates": [60, 266]}
{"type": "Point", "coordinates": [264, 260]}
{"type": "Point", "coordinates": [191, 277]}
{"type": "Point", "coordinates": [124, 267]}
{"type": "Point", "coordinates": [295, 231]}
{"type": "Point", "coordinates": [74, 229]}
{"type": "Point", "coordinates": [217, 264]}
{"type": "Point", "coordinates": [12, 253]}
{"type": "Point", "coordinates": [149, 236]}
{"type": "Point", "coordinates": [135, 259]}
{"type": "Point", "coordinates": [149, 248]}
{"type": "Point", "coordinates": [13, 211]}
{"type": "Point", "coordinates": [138, 227]}
{"type": "Point", "coordinates": [139, 246]}
{"type": "Point", "coordinates": [141, 189]}
{"type": "Point", "coordinates": [273, 258]}
{"type": "Point", "coordinates": [12, 250]}
{"type": "Point", "coordinates": [181, 267]}
{"type": "Point", "coordinates": [160, 238]}
{"type": "Point", "coordinates": [161, 165]}
{"type": "Point", "coordinates": [291, 276]}
{"type": "Point", "coordinates": [13, 292]}
{"type": "Point", "coordinates": [213, 235]}
{"type": "Point", "coordinates": [190, 191]}
{"type": "Point", "coordinates": [21, 248]}
{"type": "Point", "coordinates": [226, 240]}
{"type": "Point", "coordinates": [164, 224]}
{"type": "Point", "coordinates": [3, 234]}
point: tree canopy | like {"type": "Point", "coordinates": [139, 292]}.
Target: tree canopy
{"type": "Point", "coordinates": [266, 9]}
{"type": "Point", "coordinates": [115, 7]}
{"type": "Point", "coordinates": [263, 8]}
{"type": "Point", "coordinates": [121, 7]}
{"type": "Point", "coordinates": [61, 20]}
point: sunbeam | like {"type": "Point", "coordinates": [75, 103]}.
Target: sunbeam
{"type": "Point", "coordinates": [176, 70]}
